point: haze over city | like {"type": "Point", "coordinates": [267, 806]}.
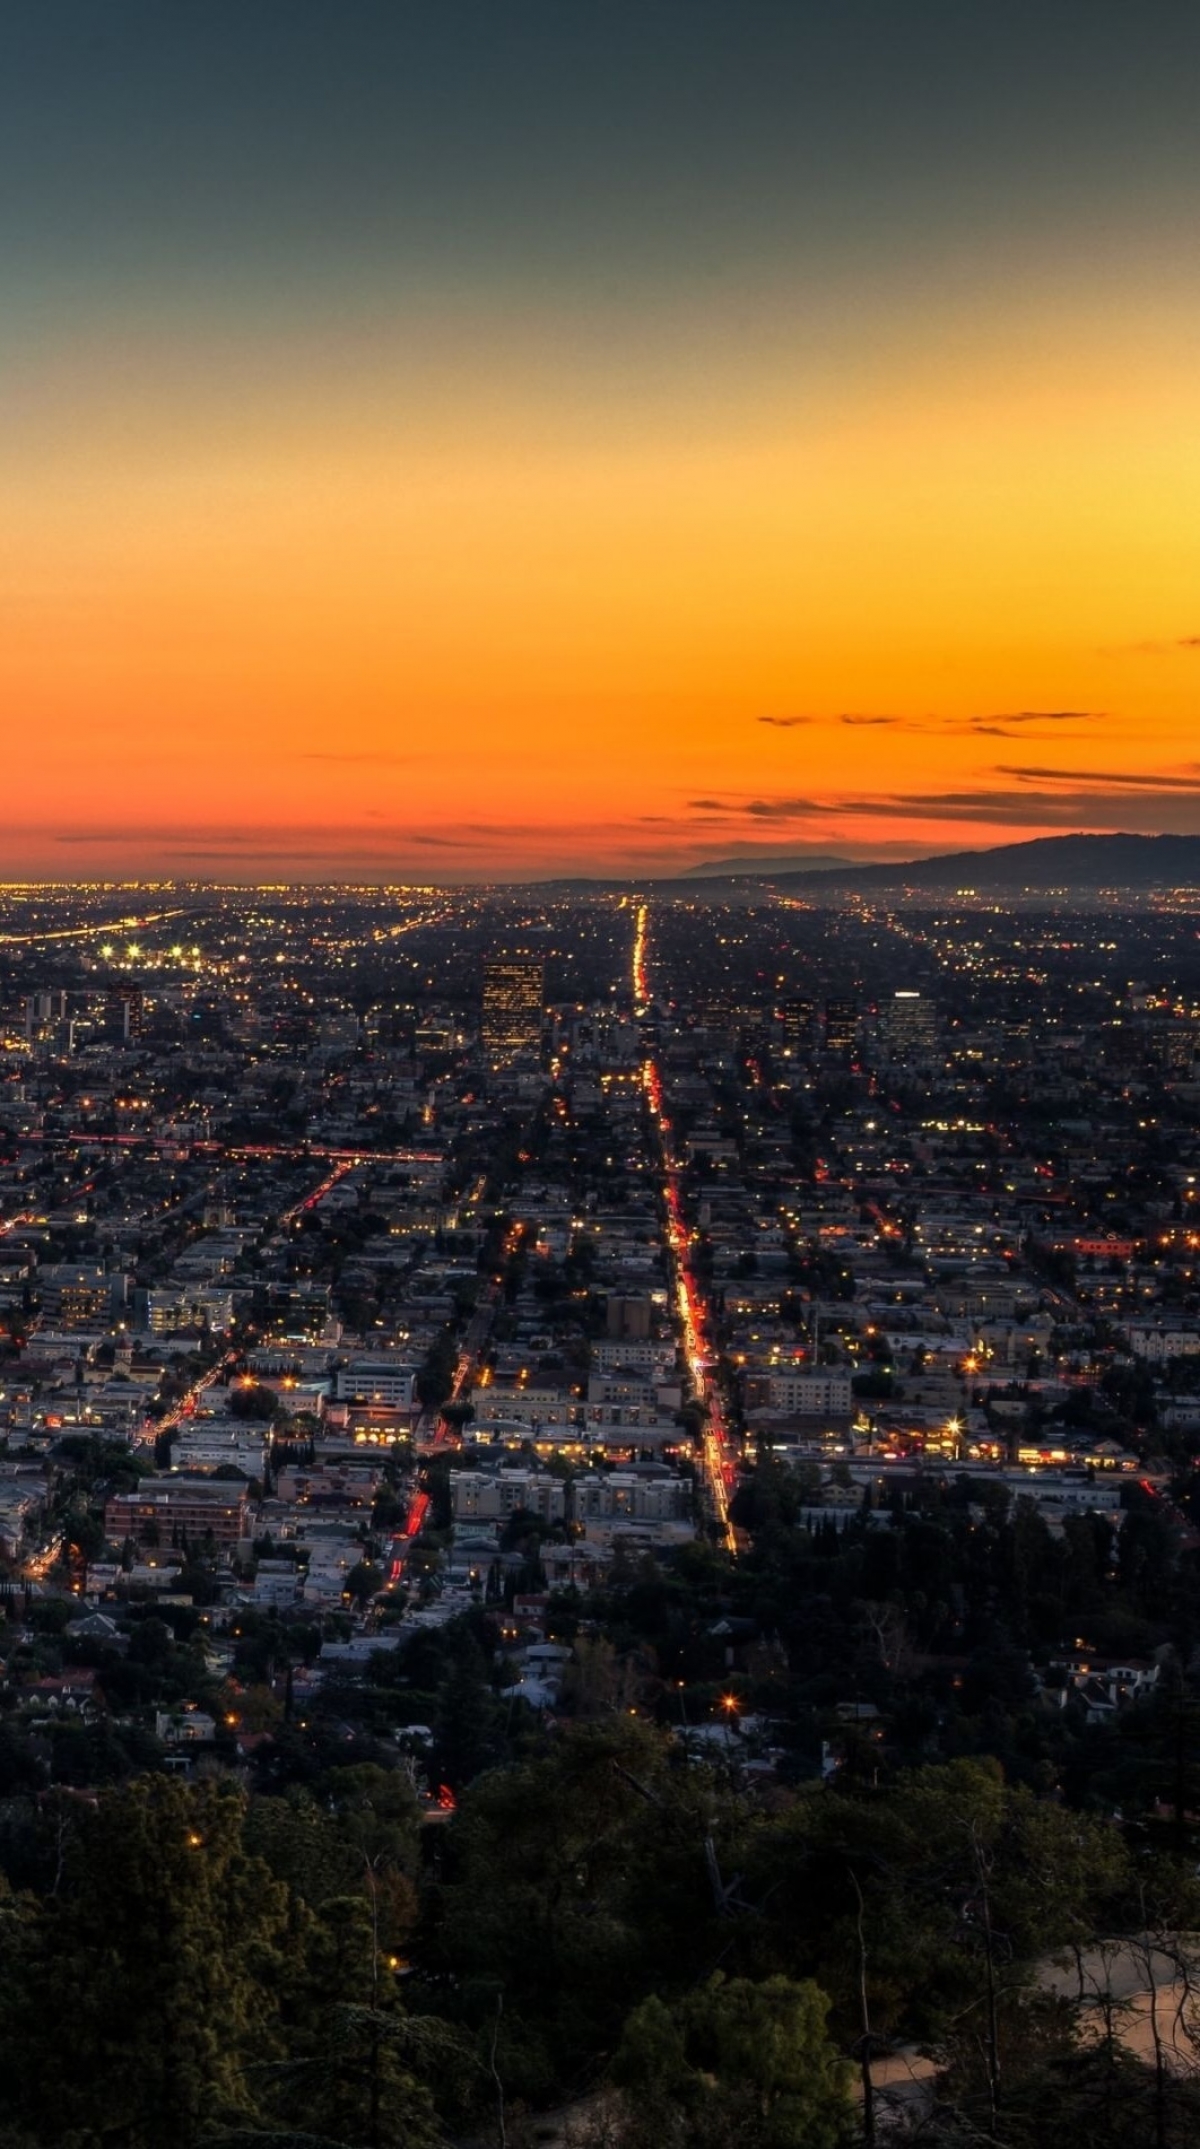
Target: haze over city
{"type": "Point", "coordinates": [500, 441]}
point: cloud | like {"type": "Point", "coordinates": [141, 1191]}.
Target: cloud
{"type": "Point", "coordinates": [1004, 725]}
{"type": "Point", "coordinates": [377, 837]}
{"type": "Point", "coordinates": [1104, 776]}
{"type": "Point", "coordinates": [789, 723]}
{"type": "Point", "coordinates": [1007, 727]}
{"type": "Point", "coordinates": [1148, 808]}
{"type": "Point", "coordinates": [285, 856]}
{"type": "Point", "coordinates": [1008, 722]}
{"type": "Point", "coordinates": [967, 806]}
{"type": "Point", "coordinates": [1157, 648]}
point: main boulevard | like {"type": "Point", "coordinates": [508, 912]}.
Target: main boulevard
{"type": "Point", "coordinates": [692, 1310]}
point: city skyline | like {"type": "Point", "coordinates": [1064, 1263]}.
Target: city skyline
{"type": "Point", "coordinates": [501, 442]}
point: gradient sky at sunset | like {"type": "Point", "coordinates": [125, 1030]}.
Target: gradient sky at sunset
{"type": "Point", "coordinates": [444, 440]}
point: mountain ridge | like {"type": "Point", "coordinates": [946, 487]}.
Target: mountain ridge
{"type": "Point", "coordinates": [1042, 862]}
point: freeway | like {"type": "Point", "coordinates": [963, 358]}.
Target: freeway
{"type": "Point", "coordinates": [88, 932]}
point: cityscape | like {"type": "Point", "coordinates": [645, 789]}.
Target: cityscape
{"type": "Point", "coordinates": [451, 1338]}
{"type": "Point", "coordinates": [599, 1075]}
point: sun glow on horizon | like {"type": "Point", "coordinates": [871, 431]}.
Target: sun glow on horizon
{"type": "Point", "coordinates": [611, 558]}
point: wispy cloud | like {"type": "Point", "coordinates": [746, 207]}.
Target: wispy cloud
{"type": "Point", "coordinates": [1064, 799]}
{"type": "Point", "coordinates": [1009, 727]}
{"type": "Point", "coordinates": [1006, 724]}
{"type": "Point", "coordinates": [1160, 647]}
{"type": "Point", "coordinates": [1118, 778]}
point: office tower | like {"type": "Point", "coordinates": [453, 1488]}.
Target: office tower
{"type": "Point", "coordinates": [123, 1013]}
{"type": "Point", "coordinates": [841, 1025]}
{"type": "Point", "coordinates": [513, 997]}
{"type": "Point", "coordinates": [795, 1019]}
{"type": "Point", "coordinates": [42, 1011]}
{"type": "Point", "coordinates": [909, 1023]}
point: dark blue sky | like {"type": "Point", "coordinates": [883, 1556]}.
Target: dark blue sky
{"type": "Point", "coordinates": [274, 152]}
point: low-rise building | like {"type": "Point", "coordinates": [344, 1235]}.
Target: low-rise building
{"type": "Point", "coordinates": [166, 1510]}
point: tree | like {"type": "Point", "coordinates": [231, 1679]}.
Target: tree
{"type": "Point", "coordinates": [364, 2081]}
{"type": "Point", "coordinates": [465, 1740]}
{"type": "Point", "coordinates": [923, 1911]}
{"type": "Point", "coordinates": [363, 1582]}
{"type": "Point", "coordinates": [737, 2062]}
{"type": "Point", "coordinates": [253, 1401]}
{"type": "Point", "coordinates": [579, 1882]}
{"type": "Point", "coordinates": [159, 1943]}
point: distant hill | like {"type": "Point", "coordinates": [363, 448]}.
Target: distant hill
{"type": "Point", "coordinates": [1072, 862]}
{"type": "Point", "coordinates": [755, 862]}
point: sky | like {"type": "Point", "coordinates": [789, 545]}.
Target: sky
{"type": "Point", "coordinates": [446, 441]}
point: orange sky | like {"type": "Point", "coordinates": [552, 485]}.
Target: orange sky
{"type": "Point", "coordinates": [522, 585]}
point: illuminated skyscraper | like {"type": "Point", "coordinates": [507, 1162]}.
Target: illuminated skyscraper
{"type": "Point", "coordinates": [123, 1013]}
{"type": "Point", "coordinates": [795, 1019]}
{"type": "Point", "coordinates": [841, 1025]}
{"type": "Point", "coordinates": [909, 1023]}
{"type": "Point", "coordinates": [513, 1004]}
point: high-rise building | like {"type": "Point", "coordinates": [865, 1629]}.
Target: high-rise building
{"type": "Point", "coordinates": [795, 1018]}
{"type": "Point", "coordinates": [909, 1023]}
{"type": "Point", "coordinates": [514, 989]}
{"type": "Point", "coordinates": [841, 1025]}
{"type": "Point", "coordinates": [43, 1010]}
{"type": "Point", "coordinates": [123, 1013]}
